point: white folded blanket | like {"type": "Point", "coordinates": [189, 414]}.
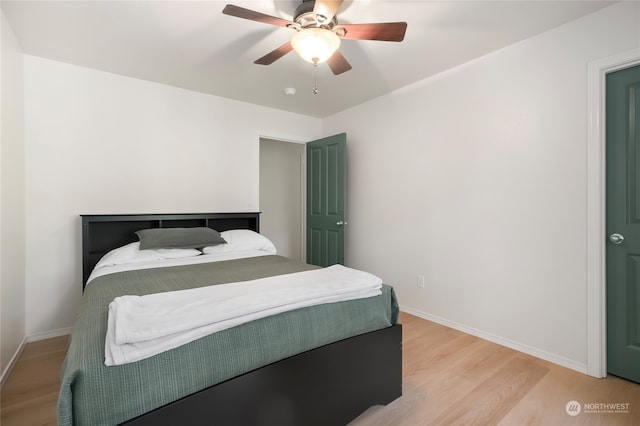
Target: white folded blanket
{"type": "Point", "coordinates": [142, 326]}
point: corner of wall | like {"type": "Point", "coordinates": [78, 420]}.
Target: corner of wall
{"type": "Point", "coordinates": [12, 200]}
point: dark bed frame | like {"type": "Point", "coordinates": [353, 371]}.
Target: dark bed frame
{"type": "Point", "coordinates": [329, 385]}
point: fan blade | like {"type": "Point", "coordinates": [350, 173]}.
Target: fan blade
{"type": "Point", "coordinates": [387, 31]}
{"type": "Point", "coordinates": [241, 12]}
{"type": "Point", "coordinates": [338, 63]}
{"type": "Point", "coordinates": [274, 55]}
{"type": "Point", "coordinates": [326, 8]}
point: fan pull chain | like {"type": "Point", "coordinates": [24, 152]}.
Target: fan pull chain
{"type": "Point", "coordinates": [315, 78]}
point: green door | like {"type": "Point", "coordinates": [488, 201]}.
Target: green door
{"type": "Point", "coordinates": [623, 223]}
{"type": "Point", "coordinates": [326, 200]}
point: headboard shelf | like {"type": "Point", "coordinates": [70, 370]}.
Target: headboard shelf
{"type": "Point", "coordinates": [102, 233]}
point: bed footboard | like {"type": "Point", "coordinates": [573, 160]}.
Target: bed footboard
{"type": "Point", "coordinates": [330, 385]}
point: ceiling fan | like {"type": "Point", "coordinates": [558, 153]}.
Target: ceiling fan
{"type": "Point", "coordinates": [318, 32]}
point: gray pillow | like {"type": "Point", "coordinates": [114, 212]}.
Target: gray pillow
{"type": "Point", "coordinates": [178, 238]}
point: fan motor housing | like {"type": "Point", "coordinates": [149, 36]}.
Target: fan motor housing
{"type": "Point", "coordinates": [305, 7]}
{"type": "Point", "coordinates": [304, 17]}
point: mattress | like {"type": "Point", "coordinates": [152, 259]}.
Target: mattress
{"type": "Point", "coordinates": [94, 394]}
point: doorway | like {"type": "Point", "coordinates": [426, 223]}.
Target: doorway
{"type": "Point", "coordinates": [283, 195]}
{"type": "Point", "coordinates": [596, 364]}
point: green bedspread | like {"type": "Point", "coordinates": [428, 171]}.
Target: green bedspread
{"type": "Point", "coordinates": [94, 394]}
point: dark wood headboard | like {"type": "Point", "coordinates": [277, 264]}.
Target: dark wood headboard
{"type": "Point", "coordinates": [102, 233]}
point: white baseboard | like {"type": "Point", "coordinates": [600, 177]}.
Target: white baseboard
{"type": "Point", "coordinates": [27, 339]}
{"type": "Point", "coordinates": [12, 363]}
{"type": "Point", "coordinates": [529, 350]}
{"type": "Point", "coordinates": [49, 334]}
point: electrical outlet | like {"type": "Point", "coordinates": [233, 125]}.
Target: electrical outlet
{"type": "Point", "coordinates": [420, 281]}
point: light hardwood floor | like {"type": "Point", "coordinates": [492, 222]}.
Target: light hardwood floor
{"type": "Point", "coordinates": [30, 394]}
{"type": "Point", "coordinates": [449, 378]}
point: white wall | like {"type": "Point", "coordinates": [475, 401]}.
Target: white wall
{"type": "Point", "coordinates": [12, 198]}
{"type": "Point", "coordinates": [476, 179]}
{"type": "Point", "coordinates": [102, 143]}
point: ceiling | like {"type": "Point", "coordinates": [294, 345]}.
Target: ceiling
{"type": "Point", "coordinates": [192, 45]}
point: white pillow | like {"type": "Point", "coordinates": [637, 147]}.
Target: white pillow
{"type": "Point", "coordinates": [131, 253]}
{"type": "Point", "coordinates": [241, 240]}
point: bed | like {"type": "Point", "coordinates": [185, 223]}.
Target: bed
{"type": "Point", "coordinates": [321, 365]}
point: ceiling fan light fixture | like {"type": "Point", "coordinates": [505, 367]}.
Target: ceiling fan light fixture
{"type": "Point", "coordinates": [315, 45]}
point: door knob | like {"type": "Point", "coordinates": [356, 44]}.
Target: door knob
{"type": "Point", "coordinates": [340, 223]}
{"type": "Point", "coordinates": [616, 238]}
